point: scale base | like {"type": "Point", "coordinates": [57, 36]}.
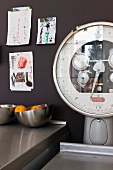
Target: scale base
{"type": "Point", "coordinates": [98, 131]}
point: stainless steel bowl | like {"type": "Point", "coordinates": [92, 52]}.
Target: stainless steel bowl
{"type": "Point", "coordinates": [6, 113]}
{"type": "Point", "coordinates": [35, 118]}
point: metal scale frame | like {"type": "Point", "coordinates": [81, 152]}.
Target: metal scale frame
{"type": "Point", "coordinates": [83, 76]}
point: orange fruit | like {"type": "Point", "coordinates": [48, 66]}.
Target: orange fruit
{"type": "Point", "coordinates": [11, 109]}
{"type": "Point", "coordinates": [36, 107]}
{"type": "Point", "coordinates": [20, 108]}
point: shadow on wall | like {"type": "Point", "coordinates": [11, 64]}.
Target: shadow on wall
{"type": "Point", "coordinates": [75, 122]}
{"type": "Point", "coordinates": [0, 54]}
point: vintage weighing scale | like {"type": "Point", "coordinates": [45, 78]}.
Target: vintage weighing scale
{"type": "Point", "coordinates": [83, 76]}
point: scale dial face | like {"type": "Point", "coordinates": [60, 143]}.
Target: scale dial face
{"type": "Point", "coordinates": [83, 69]}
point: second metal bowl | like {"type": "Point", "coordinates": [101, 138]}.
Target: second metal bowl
{"type": "Point", "coordinates": [35, 118]}
{"type": "Point", "coordinates": [6, 113]}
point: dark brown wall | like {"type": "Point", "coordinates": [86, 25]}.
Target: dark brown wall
{"type": "Point", "coordinates": [69, 13]}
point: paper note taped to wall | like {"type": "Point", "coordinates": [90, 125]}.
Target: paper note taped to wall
{"type": "Point", "coordinates": [19, 26]}
{"type": "Point", "coordinates": [46, 30]}
{"type": "Point", "coordinates": [21, 71]}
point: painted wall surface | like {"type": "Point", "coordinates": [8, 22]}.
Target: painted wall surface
{"type": "Point", "coordinates": [69, 14]}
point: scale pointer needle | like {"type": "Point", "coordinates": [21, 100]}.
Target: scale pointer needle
{"type": "Point", "coordinates": [99, 67]}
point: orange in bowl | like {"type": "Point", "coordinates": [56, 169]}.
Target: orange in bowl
{"type": "Point", "coordinates": [11, 109]}
{"type": "Point", "coordinates": [36, 107]}
{"type": "Point", "coordinates": [20, 108]}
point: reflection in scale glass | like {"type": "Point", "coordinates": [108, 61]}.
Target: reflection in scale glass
{"type": "Point", "coordinates": [82, 73]}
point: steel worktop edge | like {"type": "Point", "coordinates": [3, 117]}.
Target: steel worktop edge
{"type": "Point", "coordinates": [19, 145]}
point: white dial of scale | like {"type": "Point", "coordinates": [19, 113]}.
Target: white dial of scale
{"type": "Point", "coordinates": [83, 69]}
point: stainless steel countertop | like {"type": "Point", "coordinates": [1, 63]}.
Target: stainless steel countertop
{"type": "Point", "coordinates": [82, 157]}
{"type": "Point", "coordinates": [20, 144]}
